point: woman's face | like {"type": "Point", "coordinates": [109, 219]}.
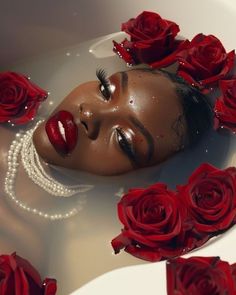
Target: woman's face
{"type": "Point", "coordinates": [113, 125]}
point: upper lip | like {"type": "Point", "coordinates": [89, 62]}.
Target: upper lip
{"type": "Point", "coordinates": [62, 132]}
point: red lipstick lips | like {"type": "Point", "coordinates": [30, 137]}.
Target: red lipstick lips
{"type": "Point", "coordinates": [62, 132]}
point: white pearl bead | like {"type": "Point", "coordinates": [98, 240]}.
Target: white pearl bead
{"type": "Point", "coordinates": [23, 146]}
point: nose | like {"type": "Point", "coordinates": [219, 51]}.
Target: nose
{"type": "Point", "coordinates": [89, 120]}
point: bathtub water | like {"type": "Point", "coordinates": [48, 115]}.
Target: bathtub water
{"type": "Point", "coordinates": [77, 251]}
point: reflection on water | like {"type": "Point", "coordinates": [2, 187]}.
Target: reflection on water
{"type": "Point", "coordinates": [78, 249]}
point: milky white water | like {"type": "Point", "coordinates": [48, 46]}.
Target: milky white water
{"type": "Point", "coordinates": [76, 250]}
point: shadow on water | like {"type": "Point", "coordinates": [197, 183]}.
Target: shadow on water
{"type": "Point", "coordinates": [214, 149]}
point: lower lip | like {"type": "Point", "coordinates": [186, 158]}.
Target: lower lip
{"type": "Point", "coordinates": [63, 146]}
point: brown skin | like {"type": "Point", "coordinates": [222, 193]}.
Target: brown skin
{"type": "Point", "coordinates": [148, 98]}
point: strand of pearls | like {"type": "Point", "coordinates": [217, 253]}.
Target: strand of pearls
{"type": "Point", "coordinates": [37, 174]}
{"type": "Point", "coordinates": [18, 147]}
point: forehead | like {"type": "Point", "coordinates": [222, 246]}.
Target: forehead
{"type": "Point", "coordinates": [154, 95]}
{"type": "Point", "coordinates": [154, 81]}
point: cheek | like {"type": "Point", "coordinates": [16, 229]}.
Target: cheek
{"type": "Point", "coordinates": [166, 146]}
{"type": "Point", "coordinates": [101, 157]}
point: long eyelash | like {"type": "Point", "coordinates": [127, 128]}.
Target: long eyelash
{"type": "Point", "coordinates": [125, 145]}
{"type": "Point", "coordinates": [105, 82]}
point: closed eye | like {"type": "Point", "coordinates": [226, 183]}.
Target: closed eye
{"type": "Point", "coordinates": [125, 144]}
{"type": "Point", "coordinates": [105, 84]}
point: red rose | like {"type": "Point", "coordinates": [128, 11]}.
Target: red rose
{"type": "Point", "coordinates": [17, 276]}
{"type": "Point", "coordinates": [19, 98]}
{"type": "Point", "coordinates": [210, 197]}
{"type": "Point", "coordinates": [154, 224]}
{"type": "Point", "coordinates": [152, 40]}
{"type": "Point", "coordinates": [199, 276]}
{"type": "Point", "coordinates": [225, 106]}
{"type": "Point", "coordinates": [205, 61]}
{"type": "Point", "coordinates": [233, 268]}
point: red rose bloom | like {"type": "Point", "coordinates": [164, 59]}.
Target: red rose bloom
{"type": "Point", "coordinates": [152, 40]}
{"type": "Point", "coordinates": [154, 223]}
{"type": "Point", "coordinates": [19, 98]}
{"type": "Point", "coordinates": [17, 276]}
{"type": "Point", "coordinates": [225, 106]}
{"type": "Point", "coordinates": [199, 276]}
{"type": "Point", "coordinates": [210, 197]}
{"type": "Point", "coordinates": [205, 61]}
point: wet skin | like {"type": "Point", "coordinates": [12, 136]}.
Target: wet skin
{"type": "Point", "coordinates": [128, 127]}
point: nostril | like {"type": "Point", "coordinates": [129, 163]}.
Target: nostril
{"type": "Point", "coordinates": [85, 125]}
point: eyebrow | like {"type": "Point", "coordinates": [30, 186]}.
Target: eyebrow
{"type": "Point", "coordinates": [146, 134]}
{"type": "Point", "coordinates": [124, 80]}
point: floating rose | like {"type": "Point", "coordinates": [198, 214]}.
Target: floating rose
{"type": "Point", "coordinates": [19, 98]}
{"type": "Point", "coordinates": [152, 40]}
{"type": "Point", "coordinates": [18, 276]}
{"type": "Point", "coordinates": [162, 224]}
{"type": "Point", "coordinates": [154, 223]}
{"type": "Point", "coordinates": [210, 197]}
{"type": "Point", "coordinates": [205, 61]}
{"type": "Point", "coordinates": [225, 106]}
{"type": "Point", "coordinates": [200, 276]}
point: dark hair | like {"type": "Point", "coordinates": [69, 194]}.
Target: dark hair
{"type": "Point", "coordinates": [197, 110]}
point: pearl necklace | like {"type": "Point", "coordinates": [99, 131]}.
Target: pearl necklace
{"type": "Point", "coordinates": [23, 145]}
